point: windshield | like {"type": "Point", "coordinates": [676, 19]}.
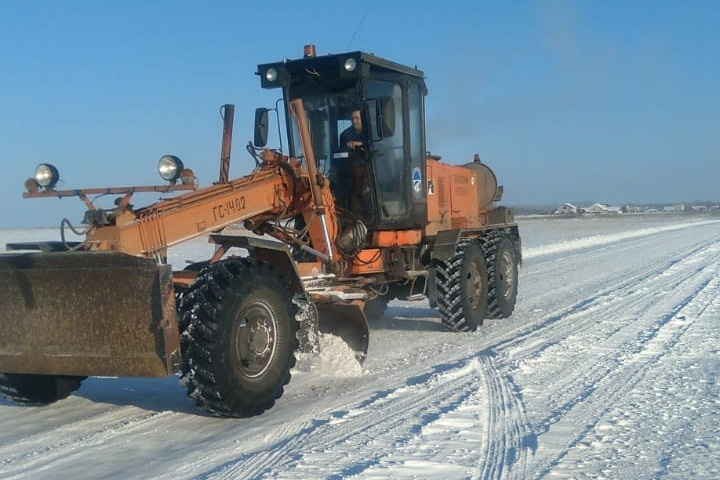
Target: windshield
{"type": "Point", "coordinates": [328, 115]}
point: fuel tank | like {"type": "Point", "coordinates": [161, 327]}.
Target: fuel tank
{"type": "Point", "coordinates": [485, 183]}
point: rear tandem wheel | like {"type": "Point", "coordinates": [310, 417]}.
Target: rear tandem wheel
{"type": "Point", "coordinates": [502, 269]}
{"type": "Point", "coordinates": [462, 286]}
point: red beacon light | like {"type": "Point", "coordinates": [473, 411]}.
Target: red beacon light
{"type": "Point", "coordinates": [309, 51]}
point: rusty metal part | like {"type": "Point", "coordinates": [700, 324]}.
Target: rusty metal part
{"type": "Point", "coordinates": [298, 110]}
{"type": "Point", "coordinates": [108, 191]}
{"type": "Point", "coordinates": [171, 221]}
{"type": "Point", "coordinates": [87, 313]}
{"type": "Point", "coordinates": [228, 115]}
{"type": "Point", "coordinates": [316, 179]}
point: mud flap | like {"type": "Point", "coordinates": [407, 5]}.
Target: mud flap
{"type": "Point", "coordinates": [347, 321]}
{"type": "Point", "coordinates": [87, 313]}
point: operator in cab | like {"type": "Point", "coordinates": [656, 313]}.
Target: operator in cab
{"type": "Point", "coordinates": [352, 137]}
{"type": "Point", "coordinates": [352, 141]}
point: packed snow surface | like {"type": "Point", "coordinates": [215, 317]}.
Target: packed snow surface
{"type": "Point", "coordinates": [609, 368]}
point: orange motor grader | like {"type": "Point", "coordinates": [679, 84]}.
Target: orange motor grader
{"type": "Point", "coordinates": [330, 235]}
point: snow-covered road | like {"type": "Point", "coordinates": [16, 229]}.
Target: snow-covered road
{"type": "Point", "coordinates": [609, 368]}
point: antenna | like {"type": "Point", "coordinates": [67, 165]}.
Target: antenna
{"type": "Point", "coordinates": [357, 28]}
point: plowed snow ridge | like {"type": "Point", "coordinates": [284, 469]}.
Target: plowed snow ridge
{"type": "Point", "coordinates": [598, 240]}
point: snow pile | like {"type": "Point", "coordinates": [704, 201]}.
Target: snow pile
{"type": "Point", "coordinates": [335, 359]}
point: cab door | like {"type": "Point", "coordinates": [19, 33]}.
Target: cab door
{"type": "Point", "coordinates": [394, 109]}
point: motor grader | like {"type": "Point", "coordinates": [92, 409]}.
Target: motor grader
{"type": "Point", "coordinates": [329, 235]}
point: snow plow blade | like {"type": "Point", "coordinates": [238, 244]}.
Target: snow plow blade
{"type": "Point", "coordinates": [347, 321]}
{"type": "Point", "coordinates": [87, 313]}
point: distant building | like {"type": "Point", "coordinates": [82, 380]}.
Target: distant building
{"type": "Point", "coordinates": [602, 209]}
{"type": "Point", "coordinates": [634, 209]}
{"type": "Point", "coordinates": [566, 209]}
{"type": "Point", "coordinates": [703, 208]}
{"type": "Point", "coordinates": [677, 208]}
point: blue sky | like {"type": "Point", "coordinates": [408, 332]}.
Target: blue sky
{"type": "Point", "coordinates": [609, 101]}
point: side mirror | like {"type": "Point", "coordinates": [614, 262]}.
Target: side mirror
{"type": "Point", "coordinates": [385, 111]}
{"type": "Point", "coordinates": [261, 127]}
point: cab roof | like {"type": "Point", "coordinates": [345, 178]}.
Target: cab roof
{"type": "Point", "coordinates": [333, 65]}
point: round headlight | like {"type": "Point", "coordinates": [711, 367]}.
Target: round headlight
{"type": "Point", "coordinates": [169, 168]}
{"type": "Point", "coordinates": [271, 74]}
{"type": "Point", "coordinates": [46, 175]}
{"type": "Point", "coordinates": [350, 64]}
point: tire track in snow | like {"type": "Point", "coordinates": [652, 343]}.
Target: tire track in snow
{"type": "Point", "coordinates": [583, 286]}
{"type": "Point", "coordinates": [612, 299]}
{"type": "Point", "coordinates": [619, 308]}
{"type": "Point", "coordinates": [509, 441]}
{"type": "Point", "coordinates": [662, 361]}
{"type": "Point", "coordinates": [355, 439]}
{"type": "Point", "coordinates": [599, 361]}
{"type": "Point", "coordinates": [389, 428]}
{"type": "Point", "coordinates": [632, 366]}
{"type": "Point", "coordinates": [485, 437]}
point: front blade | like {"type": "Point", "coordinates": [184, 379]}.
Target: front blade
{"type": "Point", "coordinates": [87, 313]}
{"type": "Point", "coordinates": [347, 321]}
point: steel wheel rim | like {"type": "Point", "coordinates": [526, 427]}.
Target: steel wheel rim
{"type": "Point", "coordinates": [256, 340]}
{"type": "Point", "coordinates": [473, 285]}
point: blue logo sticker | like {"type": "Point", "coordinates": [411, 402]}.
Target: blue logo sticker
{"type": "Point", "coordinates": [416, 179]}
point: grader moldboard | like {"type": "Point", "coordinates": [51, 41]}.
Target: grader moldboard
{"type": "Point", "coordinates": [332, 234]}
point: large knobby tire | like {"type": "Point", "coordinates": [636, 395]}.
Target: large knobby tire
{"type": "Point", "coordinates": [462, 286]}
{"type": "Point", "coordinates": [502, 277]}
{"type": "Point", "coordinates": [37, 390]}
{"type": "Point", "coordinates": [241, 336]}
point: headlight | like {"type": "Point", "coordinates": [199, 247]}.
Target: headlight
{"type": "Point", "coordinates": [350, 64]}
{"type": "Point", "coordinates": [187, 177]}
{"type": "Point", "coordinates": [169, 168]}
{"type": "Point", "coordinates": [46, 175]}
{"type": "Point", "coordinates": [271, 74]}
